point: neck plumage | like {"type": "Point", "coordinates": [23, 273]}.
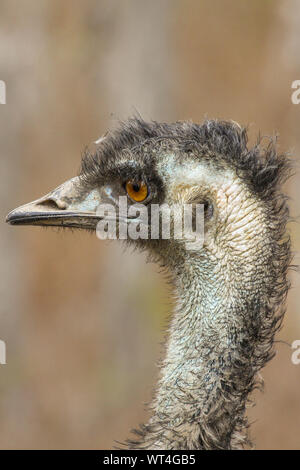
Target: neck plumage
{"type": "Point", "coordinates": [221, 335]}
{"type": "Point", "coordinates": [208, 370]}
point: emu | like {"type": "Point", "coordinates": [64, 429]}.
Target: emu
{"type": "Point", "coordinates": [230, 292]}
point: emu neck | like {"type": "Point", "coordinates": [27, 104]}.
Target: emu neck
{"type": "Point", "coordinates": [208, 369]}
{"type": "Point", "coordinates": [221, 334]}
{"type": "Point", "coordinates": [222, 330]}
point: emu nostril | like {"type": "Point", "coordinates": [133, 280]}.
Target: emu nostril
{"type": "Point", "coordinates": [56, 204]}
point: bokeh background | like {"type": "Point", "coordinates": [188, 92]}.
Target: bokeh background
{"type": "Point", "coordinates": [82, 319]}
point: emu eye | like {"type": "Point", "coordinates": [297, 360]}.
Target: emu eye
{"type": "Point", "coordinates": [137, 191]}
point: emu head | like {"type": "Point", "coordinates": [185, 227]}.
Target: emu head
{"type": "Point", "coordinates": [168, 164]}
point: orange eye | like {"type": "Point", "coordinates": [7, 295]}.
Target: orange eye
{"type": "Point", "coordinates": [137, 191]}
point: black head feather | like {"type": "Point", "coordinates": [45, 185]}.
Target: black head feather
{"type": "Point", "coordinates": [219, 142]}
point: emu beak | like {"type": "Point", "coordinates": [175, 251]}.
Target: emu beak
{"type": "Point", "coordinates": [66, 206]}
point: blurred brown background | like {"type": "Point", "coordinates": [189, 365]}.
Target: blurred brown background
{"type": "Point", "coordinates": [83, 320]}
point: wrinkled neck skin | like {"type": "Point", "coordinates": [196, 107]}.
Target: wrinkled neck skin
{"type": "Point", "coordinates": [221, 332]}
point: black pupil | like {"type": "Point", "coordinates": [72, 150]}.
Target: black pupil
{"type": "Point", "coordinates": [136, 187]}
